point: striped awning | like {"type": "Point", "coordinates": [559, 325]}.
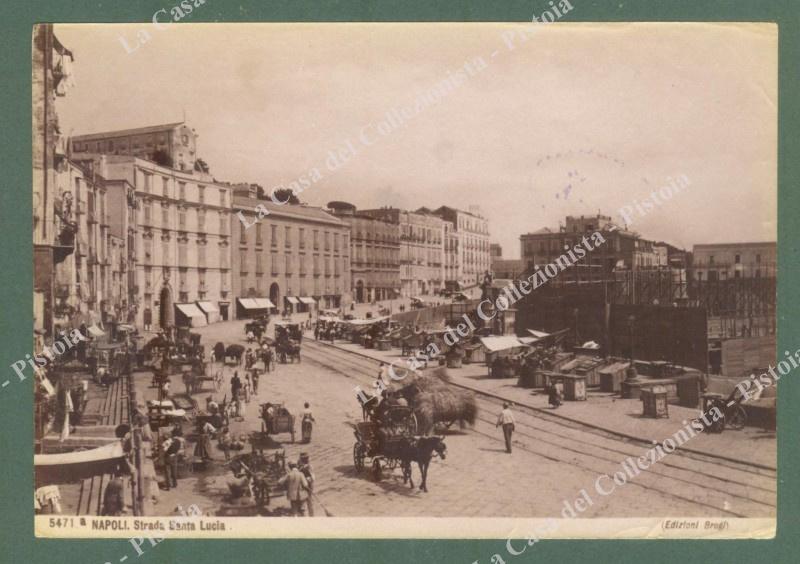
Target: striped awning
{"type": "Point", "coordinates": [307, 300]}
{"type": "Point", "coordinates": [292, 300]}
{"type": "Point", "coordinates": [263, 303]}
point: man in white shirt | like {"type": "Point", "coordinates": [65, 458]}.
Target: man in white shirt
{"type": "Point", "coordinates": [506, 419]}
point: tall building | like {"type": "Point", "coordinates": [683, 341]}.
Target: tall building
{"type": "Point", "coordinates": [623, 250]}
{"type": "Point", "coordinates": [54, 222]}
{"type": "Point", "coordinates": [171, 144]}
{"type": "Point", "coordinates": [178, 238]}
{"type": "Point", "coordinates": [295, 257]}
{"type": "Point", "coordinates": [422, 239]}
{"type": "Point", "coordinates": [472, 232]}
{"type": "Point", "coordinates": [726, 261]}
{"type": "Point", "coordinates": [374, 254]}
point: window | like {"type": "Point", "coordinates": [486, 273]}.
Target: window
{"type": "Point", "coordinates": [223, 258]}
{"type": "Point", "coordinates": [148, 251]}
{"type": "Point", "coordinates": [316, 240]}
{"type": "Point", "coordinates": [223, 224]}
{"type": "Point", "coordinates": [258, 234]}
{"type": "Point", "coordinates": [242, 235]}
{"type": "Point", "coordinates": [737, 274]}
{"type": "Point", "coordinates": [147, 181]}
{"type": "Point", "coordinates": [165, 186]}
{"type": "Point", "coordinates": [288, 261]}
{"type": "Point", "coordinates": [223, 281]}
{"type": "Point", "coordinates": [147, 210]}
{"type": "Point", "coordinates": [287, 239]}
{"type": "Point", "coordinates": [201, 221]}
{"type": "Point", "coordinates": [243, 262]}
{"type": "Point", "coordinates": [201, 194]}
{"type": "Point", "coordinates": [182, 278]}
{"type": "Point", "coordinates": [110, 145]}
{"type": "Point", "coordinates": [182, 254]}
{"type": "Point", "coordinates": [758, 259]}
{"type": "Point", "coordinates": [201, 256]}
{"type": "Point", "coordinates": [302, 237]}
{"type": "Point", "coordinates": [165, 254]}
{"type": "Point", "coordinates": [181, 190]}
{"type": "Point", "coordinates": [711, 259]}
{"type": "Point", "coordinates": [737, 259]}
{"type": "Point", "coordinates": [201, 278]}
{"type": "Point", "coordinates": [148, 278]}
{"type": "Point", "coordinates": [259, 265]}
{"type": "Point", "coordinates": [182, 218]}
{"type": "Point", "coordinates": [327, 241]}
{"type": "Point", "coordinates": [274, 264]}
{"type": "Point", "coordinates": [222, 200]}
{"type": "Point", "coordinates": [336, 242]}
{"type": "Point", "coordinates": [165, 217]}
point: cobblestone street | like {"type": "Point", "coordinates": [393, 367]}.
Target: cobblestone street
{"type": "Point", "coordinates": [476, 479]}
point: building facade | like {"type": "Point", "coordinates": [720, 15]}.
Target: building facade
{"type": "Point", "coordinates": [472, 232]}
{"type": "Point", "coordinates": [374, 254]}
{"type": "Point", "coordinates": [421, 249]}
{"type": "Point", "coordinates": [726, 261]}
{"type": "Point", "coordinates": [623, 250]}
{"type": "Point", "coordinates": [54, 222]}
{"type": "Point", "coordinates": [297, 257]}
{"type": "Point", "coordinates": [177, 230]}
{"type": "Point", "coordinates": [173, 144]}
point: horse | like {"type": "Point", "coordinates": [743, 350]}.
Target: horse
{"type": "Point", "coordinates": [236, 352]}
{"type": "Point", "coordinates": [417, 449]}
{"type": "Point", "coordinates": [219, 351]}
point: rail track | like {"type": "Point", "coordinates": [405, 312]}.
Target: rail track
{"type": "Point", "coordinates": [727, 487]}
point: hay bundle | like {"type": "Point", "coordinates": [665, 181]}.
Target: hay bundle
{"type": "Point", "coordinates": [444, 405]}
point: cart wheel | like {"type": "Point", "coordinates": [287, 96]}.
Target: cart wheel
{"type": "Point", "coordinates": [358, 457]}
{"type": "Point", "coordinates": [736, 418]}
{"type": "Point", "coordinates": [376, 470]}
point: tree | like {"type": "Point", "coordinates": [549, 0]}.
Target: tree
{"type": "Point", "coordinates": [161, 157]}
{"type": "Point", "coordinates": [201, 166]}
{"type": "Point", "coordinates": [282, 195]}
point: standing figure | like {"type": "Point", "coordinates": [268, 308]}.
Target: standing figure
{"type": "Point", "coordinates": [304, 465]}
{"type": "Point", "coordinates": [506, 419]}
{"type": "Point", "coordinates": [307, 423]}
{"type": "Point", "coordinates": [296, 489]}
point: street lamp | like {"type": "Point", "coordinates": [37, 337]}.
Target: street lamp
{"type": "Point", "coordinates": [630, 373]}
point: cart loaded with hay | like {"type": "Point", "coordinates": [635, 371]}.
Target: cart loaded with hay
{"type": "Point", "coordinates": [437, 404]}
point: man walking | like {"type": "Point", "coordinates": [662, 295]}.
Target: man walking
{"type": "Point", "coordinates": [304, 465]}
{"type": "Point", "coordinates": [506, 419]}
{"type": "Point", "coordinates": [296, 489]}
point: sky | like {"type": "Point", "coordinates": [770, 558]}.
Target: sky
{"type": "Point", "coordinates": [542, 121]}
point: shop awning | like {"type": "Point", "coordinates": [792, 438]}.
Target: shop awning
{"type": "Point", "coordinates": [95, 331]}
{"type": "Point", "coordinates": [189, 310]}
{"type": "Point", "coordinates": [307, 300]}
{"type": "Point", "coordinates": [494, 344]}
{"type": "Point", "coordinates": [207, 307]}
{"type": "Point", "coordinates": [263, 303]}
{"type": "Point", "coordinates": [249, 303]}
{"type": "Point", "coordinates": [69, 467]}
{"type": "Point", "coordinates": [292, 300]}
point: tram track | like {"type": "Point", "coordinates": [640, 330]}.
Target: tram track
{"type": "Point", "coordinates": [735, 488]}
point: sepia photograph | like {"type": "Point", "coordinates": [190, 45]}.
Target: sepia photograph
{"type": "Point", "coordinates": [404, 280]}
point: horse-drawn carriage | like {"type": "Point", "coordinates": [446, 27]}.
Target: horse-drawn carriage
{"type": "Point", "coordinates": [163, 414]}
{"type": "Point", "coordinates": [389, 441]}
{"type": "Point", "coordinates": [255, 329]}
{"type": "Point", "coordinates": [107, 362]}
{"type": "Point", "coordinates": [377, 431]}
{"type": "Point", "coordinates": [275, 419]}
{"type": "Point", "coordinates": [257, 475]}
{"type": "Point", "coordinates": [288, 337]}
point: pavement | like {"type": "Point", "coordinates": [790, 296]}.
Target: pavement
{"type": "Point", "coordinates": [476, 479]}
{"type": "Point", "coordinates": [608, 412]}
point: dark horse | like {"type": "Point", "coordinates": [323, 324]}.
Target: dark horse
{"type": "Point", "coordinates": [420, 450]}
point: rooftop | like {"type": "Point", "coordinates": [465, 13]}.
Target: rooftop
{"type": "Point", "coordinates": [298, 211]}
{"type": "Point", "coordinates": [125, 132]}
